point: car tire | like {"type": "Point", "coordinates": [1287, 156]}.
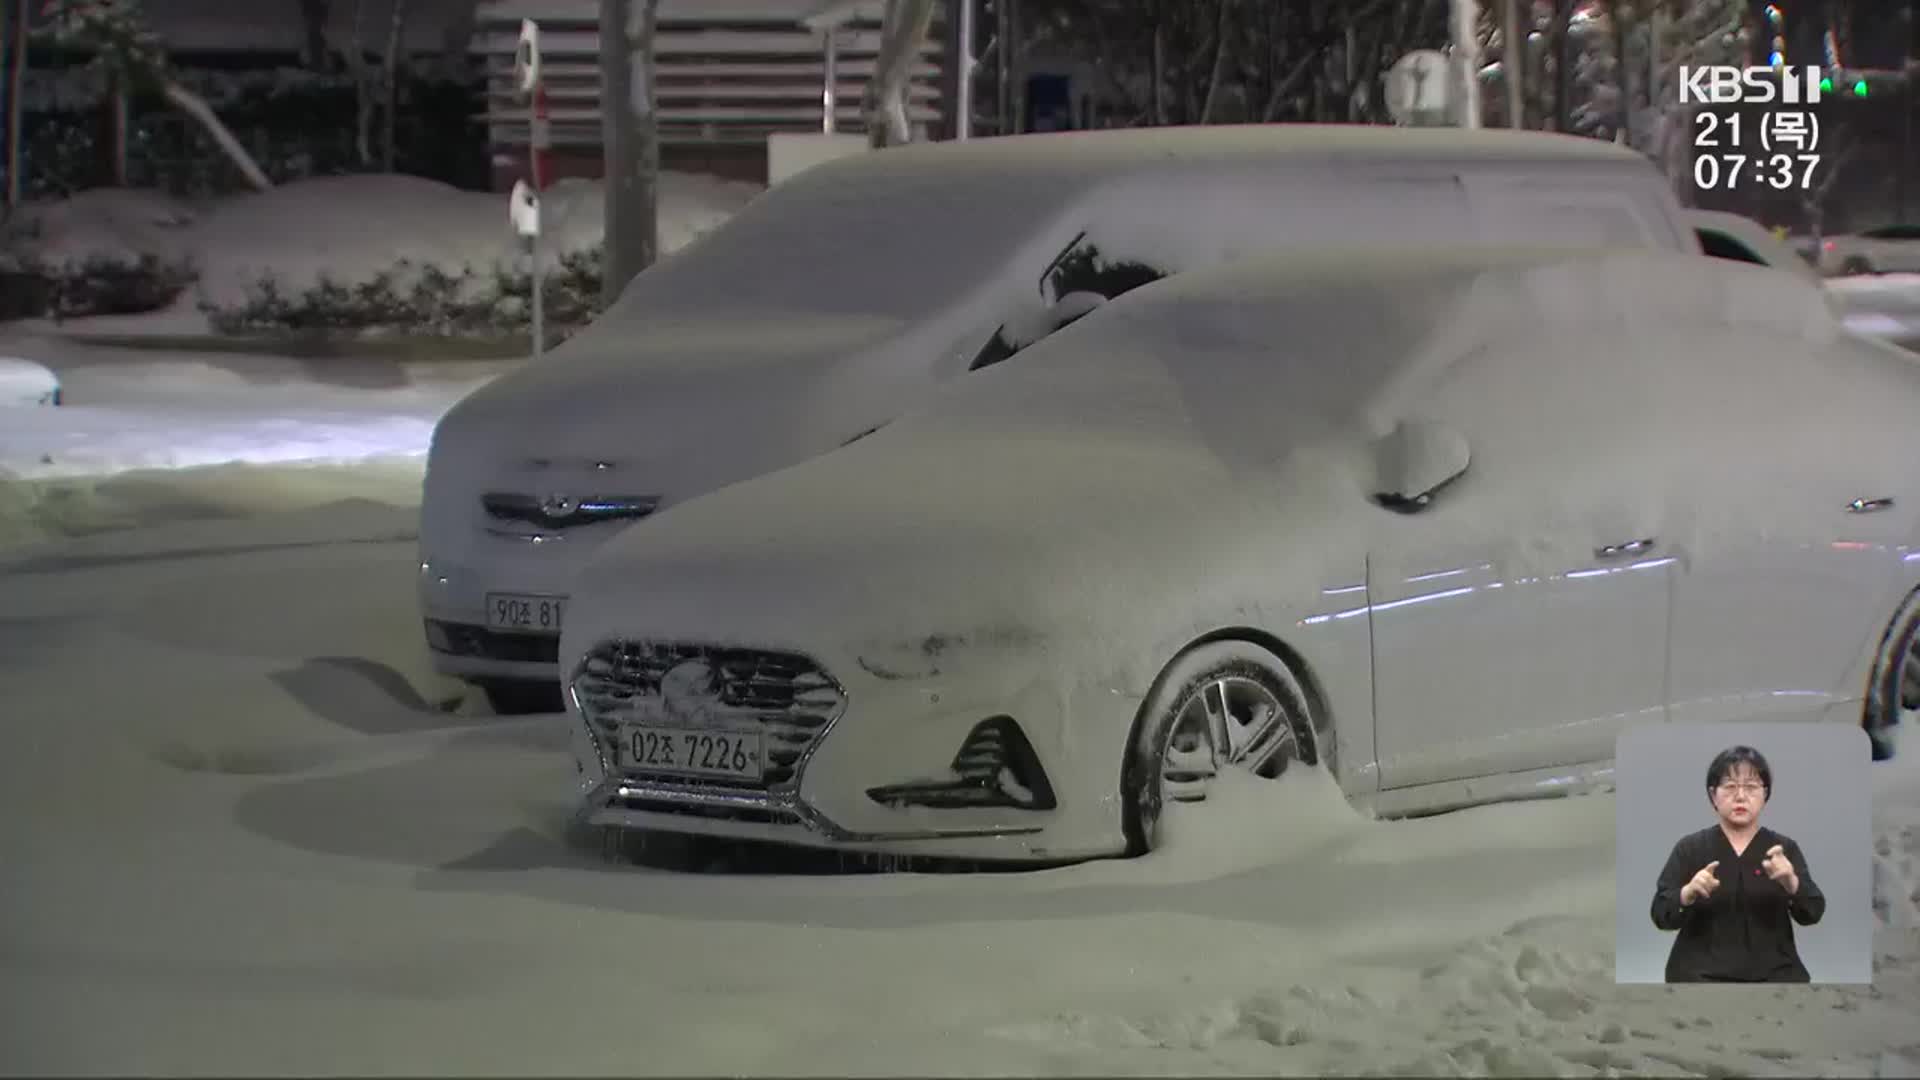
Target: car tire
{"type": "Point", "coordinates": [1230, 679]}
{"type": "Point", "coordinates": [1856, 264]}
{"type": "Point", "coordinates": [1893, 691]}
{"type": "Point", "coordinates": [521, 697]}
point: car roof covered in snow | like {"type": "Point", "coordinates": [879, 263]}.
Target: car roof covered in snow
{"type": "Point", "coordinates": [1100, 154]}
{"type": "Point", "coordinates": [1337, 333]}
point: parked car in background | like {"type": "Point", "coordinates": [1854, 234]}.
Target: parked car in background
{"type": "Point", "coordinates": [840, 298]}
{"type": "Point", "coordinates": [1883, 250]}
{"type": "Point", "coordinates": [26, 382]}
{"type": "Point", "coordinates": [1742, 239]}
{"type": "Point", "coordinates": [1446, 522]}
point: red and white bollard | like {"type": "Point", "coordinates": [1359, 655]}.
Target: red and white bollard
{"type": "Point", "coordinates": [525, 209]}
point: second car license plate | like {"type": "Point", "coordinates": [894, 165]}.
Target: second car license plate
{"type": "Point", "coordinates": [526, 612]}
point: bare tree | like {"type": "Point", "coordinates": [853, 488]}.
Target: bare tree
{"type": "Point", "coordinates": [313, 20]}
{"type": "Point", "coordinates": [903, 33]}
{"type": "Point", "coordinates": [396, 31]}
{"type": "Point", "coordinates": [1813, 199]}
{"type": "Point", "coordinates": [630, 129]}
{"type": "Point", "coordinates": [133, 56]}
{"type": "Point", "coordinates": [16, 37]}
{"type": "Point", "coordinates": [1560, 33]}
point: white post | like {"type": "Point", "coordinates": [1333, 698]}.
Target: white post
{"type": "Point", "coordinates": [527, 77]}
{"type": "Point", "coordinates": [830, 92]}
{"type": "Point", "coordinates": [963, 86]}
{"type": "Point", "coordinates": [1466, 52]}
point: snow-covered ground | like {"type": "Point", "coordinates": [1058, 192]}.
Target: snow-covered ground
{"type": "Point", "coordinates": [147, 433]}
{"type": "Point", "coordinates": [246, 830]}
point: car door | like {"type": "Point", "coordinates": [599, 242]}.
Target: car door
{"type": "Point", "coordinates": [1520, 615]}
{"type": "Point", "coordinates": [1808, 502]}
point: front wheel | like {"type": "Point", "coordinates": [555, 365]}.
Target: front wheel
{"type": "Point", "coordinates": [1893, 694]}
{"type": "Point", "coordinates": [1223, 705]}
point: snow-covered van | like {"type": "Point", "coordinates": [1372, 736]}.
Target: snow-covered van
{"type": "Point", "coordinates": [838, 299]}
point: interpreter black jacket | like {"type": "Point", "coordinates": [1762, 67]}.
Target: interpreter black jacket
{"type": "Point", "coordinates": [1744, 931]}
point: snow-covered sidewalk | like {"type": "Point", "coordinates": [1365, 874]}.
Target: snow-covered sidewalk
{"type": "Point", "coordinates": [156, 435]}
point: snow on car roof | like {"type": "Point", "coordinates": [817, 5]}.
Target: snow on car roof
{"type": "Point", "coordinates": [1101, 153]}
{"type": "Point", "coordinates": [1334, 327]}
{"type": "Point", "coordinates": [896, 232]}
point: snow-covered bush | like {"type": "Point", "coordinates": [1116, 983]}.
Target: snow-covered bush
{"type": "Point", "coordinates": [423, 299]}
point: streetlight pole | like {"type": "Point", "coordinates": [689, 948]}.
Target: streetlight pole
{"type": "Point", "coordinates": [963, 75]}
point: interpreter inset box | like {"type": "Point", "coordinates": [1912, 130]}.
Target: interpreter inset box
{"type": "Point", "coordinates": [1744, 854]}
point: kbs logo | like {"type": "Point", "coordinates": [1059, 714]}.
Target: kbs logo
{"type": "Point", "coordinates": [1727, 85]}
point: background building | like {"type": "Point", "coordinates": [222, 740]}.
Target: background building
{"type": "Point", "coordinates": [728, 74]}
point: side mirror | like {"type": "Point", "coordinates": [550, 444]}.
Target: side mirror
{"type": "Point", "coordinates": [1414, 461]}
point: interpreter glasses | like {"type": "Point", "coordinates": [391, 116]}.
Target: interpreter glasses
{"type": "Point", "coordinates": [1729, 787]}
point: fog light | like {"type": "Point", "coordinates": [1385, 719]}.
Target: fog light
{"type": "Point", "coordinates": [996, 766]}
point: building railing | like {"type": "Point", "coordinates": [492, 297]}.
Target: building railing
{"type": "Point", "coordinates": [746, 72]}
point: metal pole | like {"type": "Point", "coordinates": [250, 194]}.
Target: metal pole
{"type": "Point", "coordinates": [963, 86]}
{"type": "Point", "coordinates": [1515, 54]}
{"type": "Point", "coordinates": [1466, 49]}
{"type": "Point", "coordinates": [540, 138]}
{"type": "Point", "coordinates": [830, 93]}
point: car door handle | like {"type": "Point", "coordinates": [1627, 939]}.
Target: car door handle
{"type": "Point", "coordinates": [1620, 551]}
{"type": "Point", "coordinates": [1868, 506]}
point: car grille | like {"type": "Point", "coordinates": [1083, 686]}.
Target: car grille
{"type": "Point", "coordinates": [553, 512]}
{"type": "Point", "coordinates": [466, 639]}
{"type": "Point", "coordinates": [787, 695]}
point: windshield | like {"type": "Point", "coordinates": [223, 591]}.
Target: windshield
{"type": "Point", "coordinates": [888, 245]}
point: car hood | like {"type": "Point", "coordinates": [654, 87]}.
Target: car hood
{"type": "Point", "coordinates": [675, 407]}
{"type": "Point", "coordinates": [1036, 508]}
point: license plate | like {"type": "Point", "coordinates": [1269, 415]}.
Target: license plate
{"type": "Point", "coordinates": [733, 755]}
{"type": "Point", "coordinates": [525, 612]}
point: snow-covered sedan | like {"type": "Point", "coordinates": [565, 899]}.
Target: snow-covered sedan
{"type": "Point", "coordinates": [1446, 523]}
{"type": "Point", "coordinates": [841, 297]}
{"type": "Point", "coordinates": [1885, 249]}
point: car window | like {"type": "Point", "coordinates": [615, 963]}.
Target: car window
{"type": "Point", "coordinates": [1084, 267]}
{"type": "Point", "coordinates": [1081, 267]}
{"type": "Point", "coordinates": [1723, 246]}
{"type": "Point", "coordinates": [1894, 232]}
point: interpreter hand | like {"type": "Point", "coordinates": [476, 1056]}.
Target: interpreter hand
{"type": "Point", "coordinates": [1700, 886]}
{"type": "Point", "coordinates": [1780, 869]}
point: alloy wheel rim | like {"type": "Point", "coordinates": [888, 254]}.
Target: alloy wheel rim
{"type": "Point", "coordinates": [1231, 721]}
{"type": "Point", "coordinates": [1910, 672]}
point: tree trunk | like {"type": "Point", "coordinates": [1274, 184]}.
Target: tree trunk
{"type": "Point", "coordinates": [630, 134]}
{"type": "Point", "coordinates": [355, 55]}
{"type": "Point", "coordinates": [191, 103]}
{"type": "Point", "coordinates": [1515, 52]}
{"type": "Point", "coordinates": [16, 37]}
{"type": "Point", "coordinates": [1619, 15]}
{"type": "Point", "coordinates": [1561, 35]}
{"type": "Point", "coordinates": [120, 124]}
{"type": "Point", "coordinates": [396, 30]}
{"type": "Point", "coordinates": [903, 33]}
{"type": "Point", "coordinates": [313, 16]}
{"type": "Point", "coordinates": [1221, 27]}
{"type": "Point", "coordinates": [1159, 64]}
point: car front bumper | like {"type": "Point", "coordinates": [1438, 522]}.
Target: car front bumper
{"type": "Point", "coordinates": [890, 774]}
